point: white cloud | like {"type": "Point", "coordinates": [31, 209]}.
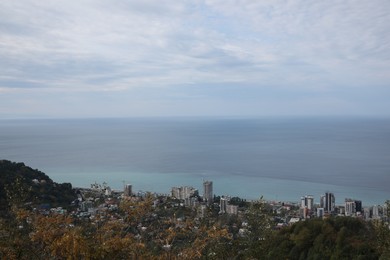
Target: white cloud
{"type": "Point", "coordinates": [90, 45]}
{"type": "Point", "coordinates": [313, 31]}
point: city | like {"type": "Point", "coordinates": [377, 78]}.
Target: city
{"type": "Point", "coordinates": [189, 197]}
{"type": "Point", "coordinates": [40, 218]}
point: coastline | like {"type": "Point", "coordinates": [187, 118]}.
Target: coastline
{"type": "Point", "coordinates": [250, 188]}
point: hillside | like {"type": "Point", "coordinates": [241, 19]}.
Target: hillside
{"type": "Point", "coordinates": [21, 185]}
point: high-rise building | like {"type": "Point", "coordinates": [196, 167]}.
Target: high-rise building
{"type": "Point", "coordinates": [310, 202]}
{"type": "Point", "coordinates": [328, 202]}
{"type": "Point", "coordinates": [208, 192]}
{"type": "Point", "coordinates": [307, 201]}
{"type": "Point", "coordinates": [352, 207]}
{"type": "Point", "coordinates": [128, 190]}
{"type": "Point", "coordinates": [307, 206]}
{"type": "Point", "coordinates": [175, 192]}
{"type": "Point", "coordinates": [225, 207]}
{"type": "Point", "coordinates": [183, 193]}
{"type": "Point", "coordinates": [375, 212]}
{"type": "Point", "coordinates": [223, 202]}
{"type": "Point", "coordinates": [358, 205]}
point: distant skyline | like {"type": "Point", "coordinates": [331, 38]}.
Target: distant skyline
{"type": "Point", "coordinates": [194, 58]}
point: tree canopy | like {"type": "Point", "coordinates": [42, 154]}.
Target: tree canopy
{"type": "Point", "coordinates": [20, 184]}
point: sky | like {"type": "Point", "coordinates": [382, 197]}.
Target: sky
{"type": "Point", "coordinates": [100, 58]}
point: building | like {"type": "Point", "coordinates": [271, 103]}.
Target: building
{"type": "Point", "coordinates": [208, 192]}
{"type": "Point", "coordinates": [232, 209]}
{"type": "Point", "coordinates": [353, 207]}
{"type": "Point", "coordinates": [367, 213]}
{"type": "Point", "coordinates": [375, 212]}
{"type": "Point", "coordinates": [350, 207]}
{"type": "Point", "coordinates": [328, 202]}
{"type": "Point", "coordinates": [307, 206]}
{"type": "Point", "coordinates": [225, 207]}
{"type": "Point", "coordinates": [307, 201]}
{"type": "Point", "coordinates": [223, 203]}
{"type": "Point", "coordinates": [183, 193]}
{"type": "Point", "coordinates": [107, 191]}
{"type": "Point", "coordinates": [386, 212]}
{"type": "Point", "coordinates": [340, 210]}
{"type": "Point", "coordinates": [191, 202]}
{"type": "Point", "coordinates": [128, 190]}
{"type": "Point", "coordinates": [320, 212]}
{"type": "Point", "coordinates": [358, 205]}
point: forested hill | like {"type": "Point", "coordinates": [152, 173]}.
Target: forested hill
{"type": "Point", "coordinates": [20, 184]}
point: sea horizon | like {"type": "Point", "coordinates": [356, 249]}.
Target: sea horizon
{"type": "Point", "coordinates": [279, 158]}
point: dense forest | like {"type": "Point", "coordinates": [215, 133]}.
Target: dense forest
{"type": "Point", "coordinates": [149, 228]}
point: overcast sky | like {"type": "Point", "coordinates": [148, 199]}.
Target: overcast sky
{"type": "Point", "coordinates": [95, 58]}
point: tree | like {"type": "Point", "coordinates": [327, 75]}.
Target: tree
{"type": "Point", "coordinates": [382, 228]}
{"type": "Point", "coordinates": [259, 229]}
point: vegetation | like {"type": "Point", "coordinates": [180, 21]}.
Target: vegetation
{"type": "Point", "coordinates": [159, 228]}
{"type": "Point", "coordinates": [21, 185]}
{"type": "Point", "coordinates": [333, 238]}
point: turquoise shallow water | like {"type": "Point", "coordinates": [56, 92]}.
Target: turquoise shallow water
{"type": "Point", "coordinates": [248, 187]}
{"type": "Point", "coordinates": [280, 158]}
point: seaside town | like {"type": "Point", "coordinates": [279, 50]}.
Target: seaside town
{"type": "Point", "coordinates": [189, 197]}
{"type": "Point", "coordinates": [194, 130]}
{"type": "Point", "coordinates": [43, 219]}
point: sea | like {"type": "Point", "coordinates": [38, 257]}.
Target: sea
{"type": "Point", "coordinates": [277, 158]}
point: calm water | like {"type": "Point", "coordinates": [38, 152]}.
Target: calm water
{"type": "Point", "coordinates": [280, 158]}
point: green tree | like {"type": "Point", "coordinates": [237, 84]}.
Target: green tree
{"type": "Point", "coordinates": [382, 228]}
{"type": "Point", "coordinates": [259, 230]}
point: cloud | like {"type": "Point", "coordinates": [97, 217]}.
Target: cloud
{"type": "Point", "coordinates": [183, 46]}
{"type": "Point", "coordinates": [328, 34]}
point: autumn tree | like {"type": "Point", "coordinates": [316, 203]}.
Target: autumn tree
{"type": "Point", "coordinates": [14, 227]}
